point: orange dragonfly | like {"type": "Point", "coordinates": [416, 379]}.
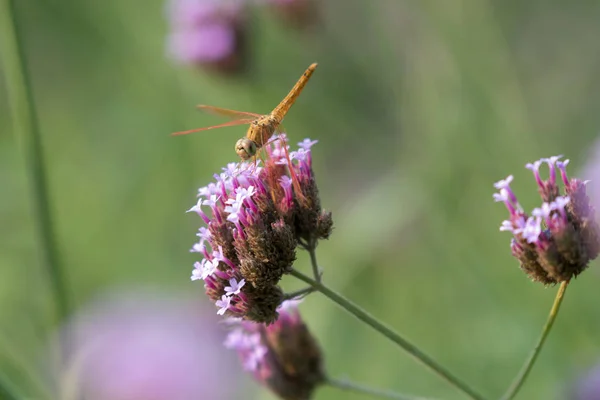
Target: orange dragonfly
{"type": "Point", "coordinates": [262, 127]}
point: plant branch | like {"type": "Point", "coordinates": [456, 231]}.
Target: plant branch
{"type": "Point", "coordinates": [354, 387]}
{"type": "Point", "coordinates": [524, 372]}
{"type": "Point", "coordinates": [298, 293]}
{"type": "Point", "coordinates": [388, 333]}
{"type": "Point", "coordinates": [313, 260]}
{"type": "Point", "coordinates": [7, 391]}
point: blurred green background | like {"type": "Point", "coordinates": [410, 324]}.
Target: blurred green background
{"type": "Point", "coordinates": [418, 106]}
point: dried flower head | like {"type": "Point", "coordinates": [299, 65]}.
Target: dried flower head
{"type": "Point", "coordinates": [208, 33]}
{"type": "Point", "coordinates": [258, 217]}
{"type": "Point", "coordinates": [557, 241]}
{"type": "Point", "coordinates": [283, 356]}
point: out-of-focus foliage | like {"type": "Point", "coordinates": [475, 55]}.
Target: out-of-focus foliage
{"type": "Point", "coordinates": [418, 106]}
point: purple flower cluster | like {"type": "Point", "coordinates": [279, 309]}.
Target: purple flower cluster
{"type": "Point", "coordinates": [283, 356]}
{"type": "Point", "coordinates": [258, 215]}
{"type": "Point", "coordinates": [207, 32]}
{"type": "Point", "coordinates": [558, 239]}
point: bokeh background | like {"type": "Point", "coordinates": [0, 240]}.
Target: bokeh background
{"type": "Point", "coordinates": [418, 106]}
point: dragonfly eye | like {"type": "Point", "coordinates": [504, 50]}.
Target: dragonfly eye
{"type": "Point", "coordinates": [245, 148]}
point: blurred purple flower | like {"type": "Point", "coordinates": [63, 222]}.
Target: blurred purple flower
{"type": "Point", "coordinates": [591, 172]}
{"type": "Point", "coordinates": [588, 387]}
{"type": "Point", "coordinates": [206, 44]}
{"type": "Point", "coordinates": [191, 13]}
{"type": "Point", "coordinates": [146, 346]}
{"type": "Point", "coordinates": [283, 356]}
{"type": "Point", "coordinates": [557, 241]}
{"type": "Point", "coordinates": [298, 13]}
{"type": "Point", "coordinates": [206, 33]}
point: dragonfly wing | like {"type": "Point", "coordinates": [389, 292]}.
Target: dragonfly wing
{"type": "Point", "coordinates": [228, 113]}
{"type": "Point", "coordinates": [230, 123]}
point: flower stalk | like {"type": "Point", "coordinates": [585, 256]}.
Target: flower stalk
{"type": "Point", "coordinates": [7, 391]}
{"type": "Point", "coordinates": [383, 394]}
{"type": "Point", "coordinates": [313, 261]}
{"type": "Point", "coordinates": [524, 372]}
{"type": "Point", "coordinates": [298, 294]}
{"type": "Point", "coordinates": [27, 127]}
{"type": "Point", "coordinates": [386, 331]}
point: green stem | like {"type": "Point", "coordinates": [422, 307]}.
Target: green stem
{"type": "Point", "coordinates": [313, 260]}
{"type": "Point", "coordinates": [26, 125]}
{"type": "Point", "coordinates": [354, 387]}
{"type": "Point", "coordinates": [388, 333]}
{"type": "Point", "coordinates": [7, 391]}
{"type": "Point", "coordinates": [520, 379]}
{"type": "Point", "coordinates": [299, 293]}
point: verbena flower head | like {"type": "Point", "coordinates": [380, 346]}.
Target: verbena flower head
{"type": "Point", "coordinates": [207, 33]}
{"type": "Point", "coordinates": [145, 345]}
{"type": "Point", "coordinates": [556, 241]}
{"type": "Point", "coordinates": [283, 356]}
{"type": "Point", "coordinates": [255, 217]}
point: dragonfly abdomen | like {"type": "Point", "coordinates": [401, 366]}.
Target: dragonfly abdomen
{"type": "Point", "coordinates": [283, 107]}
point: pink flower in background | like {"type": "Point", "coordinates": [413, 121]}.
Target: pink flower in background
{"type": "Point", "coordinates": [206, 32]}
{"type": "Point", "coordinates": [205, 44]}
{"type": "Point", "coordinates": [588, 387]}
{"type": "Point", "coordinates": [191, 13]}
{"type": "Point", "coordinates": [299, 13]}
{"type": "Point", "coordinates": [591, 173]}
{"type": "Point", "coordinates": [212, 33]}
{"type": "Point", "coordinates": [146, 346]}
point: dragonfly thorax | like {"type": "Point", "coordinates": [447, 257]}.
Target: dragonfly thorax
{"type": "Point", "coordinates": [261, 130]}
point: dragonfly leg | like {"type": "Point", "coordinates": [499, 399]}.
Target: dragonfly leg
{"type": "Point", "coordinates": [296, 184]}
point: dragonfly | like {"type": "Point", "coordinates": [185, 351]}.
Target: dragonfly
{"type": "Point", "coordinates": [262, 127]}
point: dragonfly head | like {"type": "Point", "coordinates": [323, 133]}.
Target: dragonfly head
{"type": "Point", "coordinates": [245, 148]}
